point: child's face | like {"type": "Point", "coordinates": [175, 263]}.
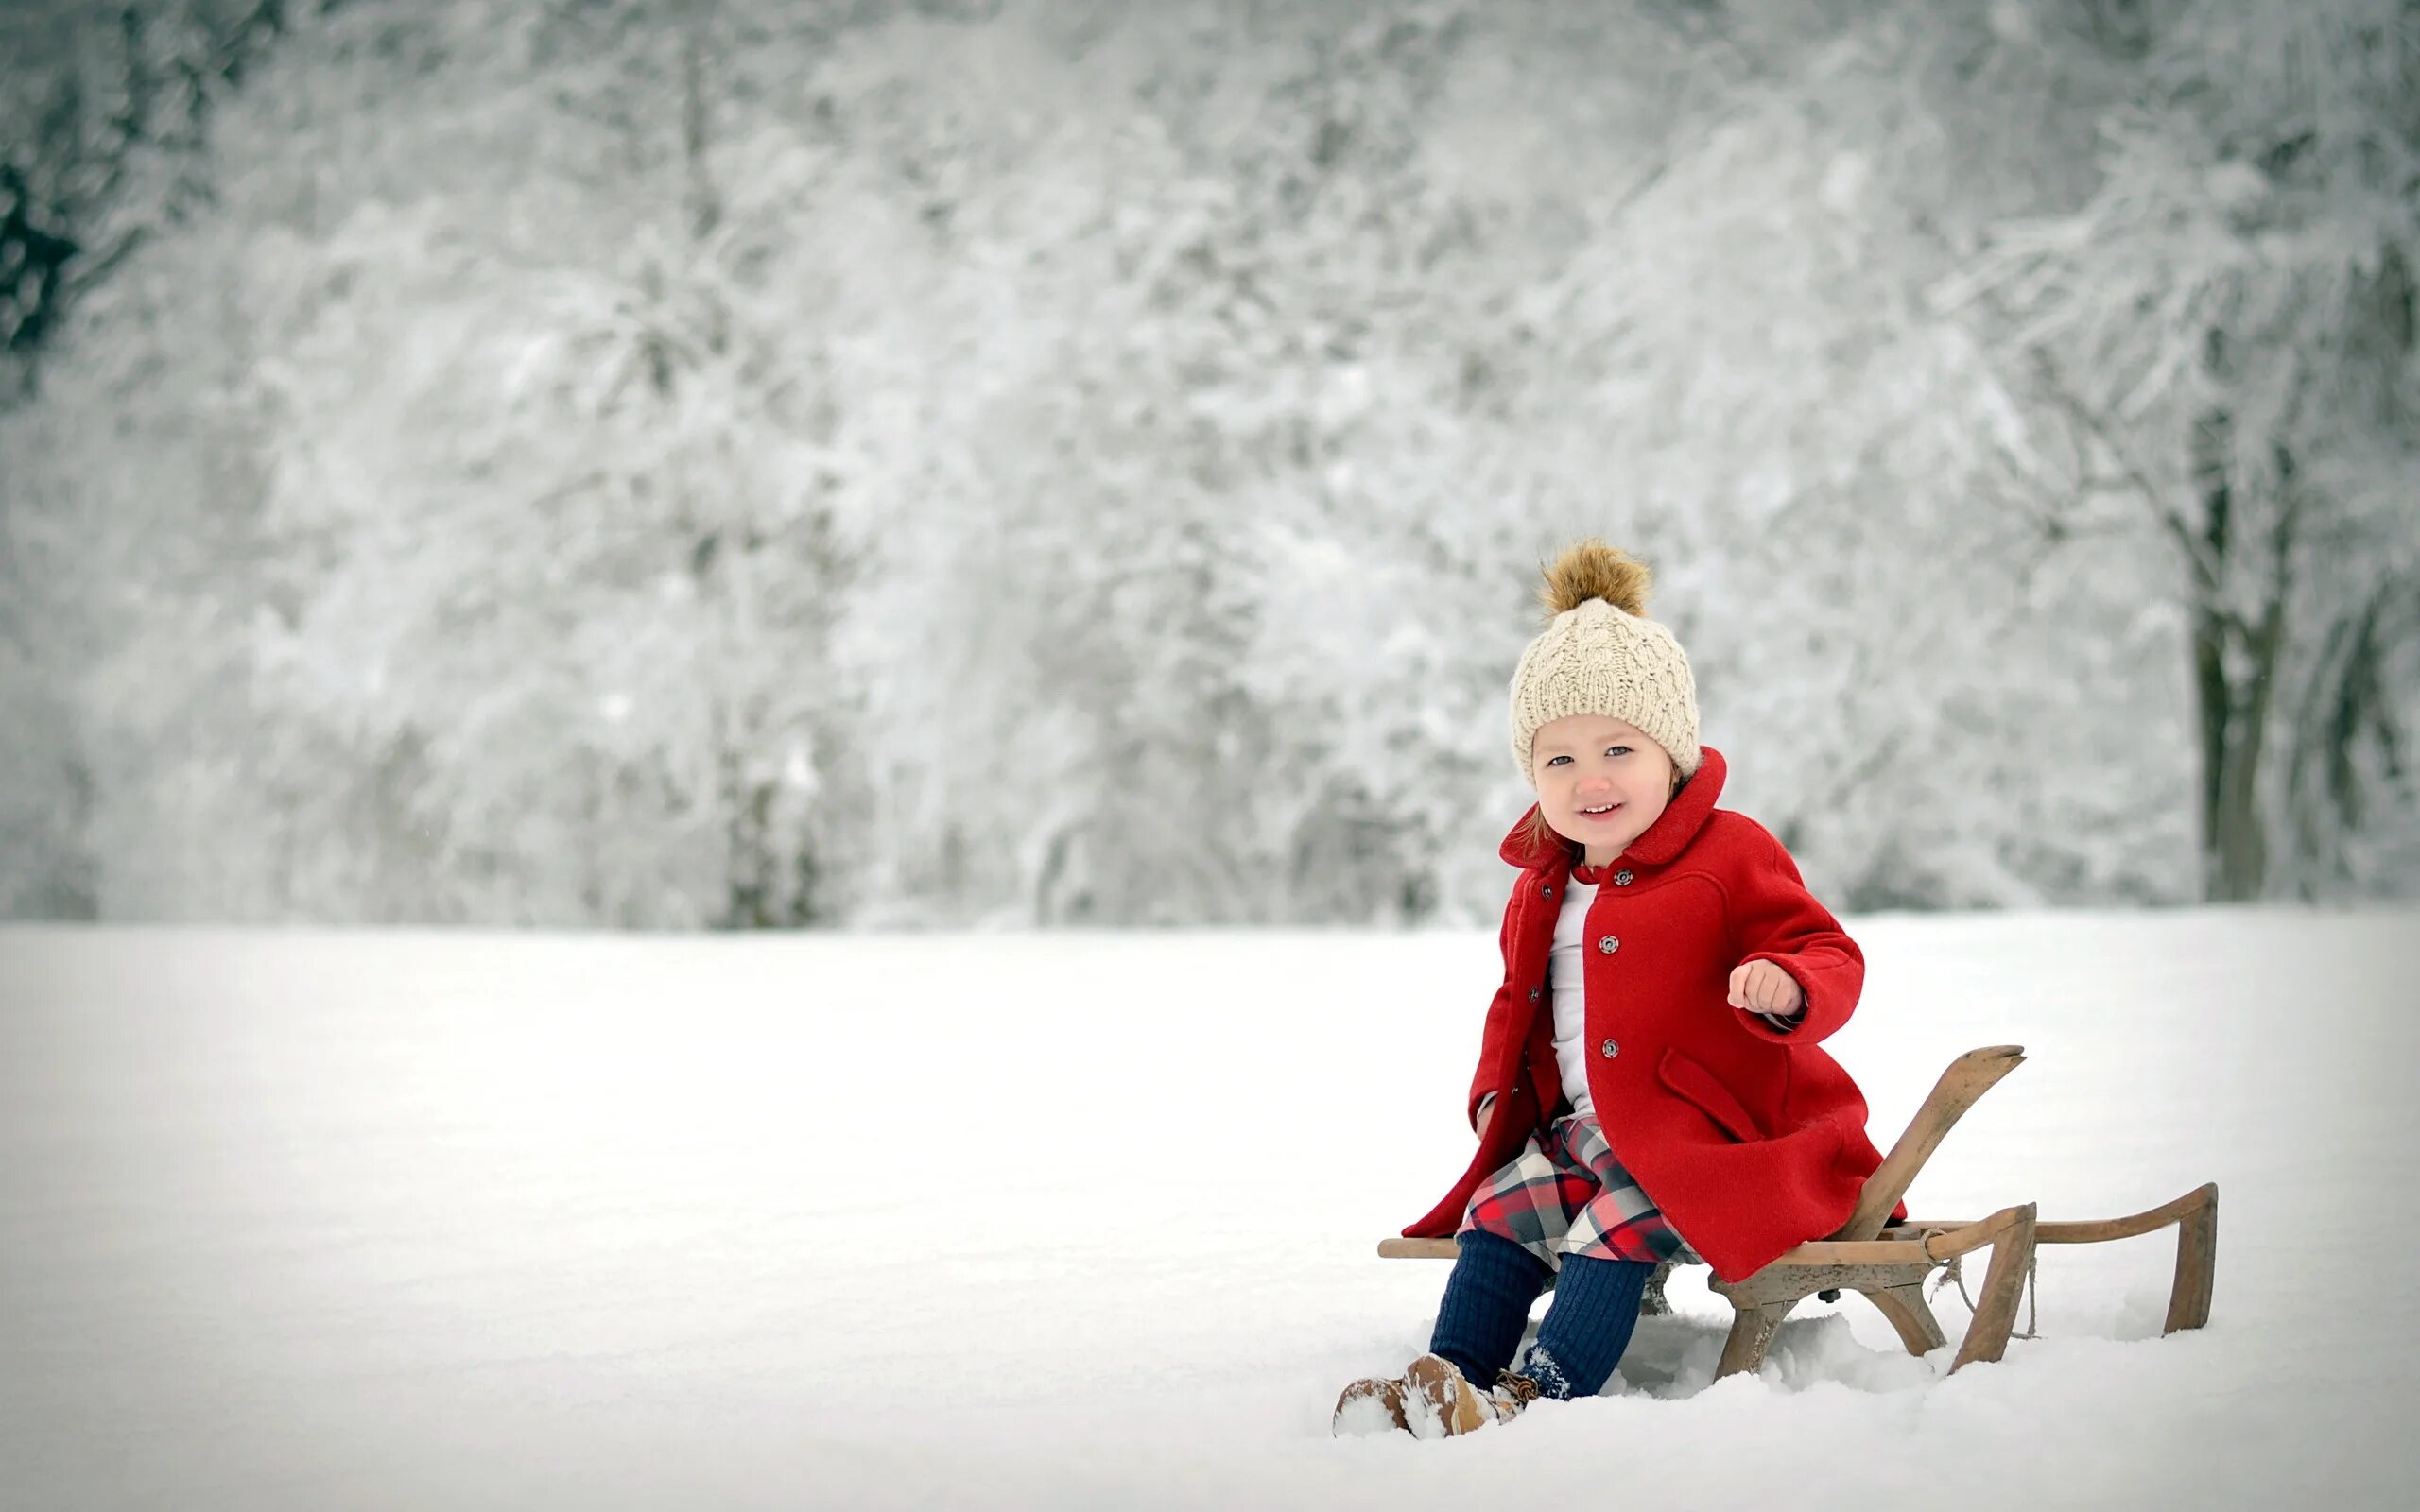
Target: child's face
{"type": "Point", "coordinates": [1594, 761]}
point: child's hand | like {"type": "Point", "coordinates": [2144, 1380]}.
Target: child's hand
{"type": "Point", "coordinates": [1760, 987]}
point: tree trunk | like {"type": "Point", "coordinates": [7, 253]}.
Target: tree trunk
{"type": "Point", "coordinates": [2236, 663]}
{"type": "Point", "coordinates": [2232, 711]}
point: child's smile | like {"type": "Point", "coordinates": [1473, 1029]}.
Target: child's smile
{"type": "Point", "coordinates": [1601, 782]}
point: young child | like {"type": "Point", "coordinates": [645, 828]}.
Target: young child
{"type": "Point", "coordinates": [1650, 1075]}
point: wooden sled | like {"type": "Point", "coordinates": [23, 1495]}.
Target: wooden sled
{"type": "Point", "coordinates": [1888, 1262]}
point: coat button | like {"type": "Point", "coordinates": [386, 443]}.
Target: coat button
{"type": "Point", "coordinates": [1533, 994]}
{"type": "Point", "coordinates": [1609, 1050]}
{"type": "Point", "coordinates": [1548, 889]}
{"type": "Point", "coordinates": [1609, 944]}
{"type": "Point", "coordinates": [1621, 879]}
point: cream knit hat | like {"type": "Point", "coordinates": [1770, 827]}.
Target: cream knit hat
{"type": "Point", "coordinates": [1601, 655]}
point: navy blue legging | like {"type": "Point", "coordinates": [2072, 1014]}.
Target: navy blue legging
{"type": "Point", "coordinates": [1580, 1339]}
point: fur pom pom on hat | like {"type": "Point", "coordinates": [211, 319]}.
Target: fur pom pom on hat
{"type": "Point", "coordinates": [1601, 655]}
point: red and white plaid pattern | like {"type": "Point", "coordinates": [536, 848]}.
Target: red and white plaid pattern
{"type": "Point", "coordinates": [1567, 1195]}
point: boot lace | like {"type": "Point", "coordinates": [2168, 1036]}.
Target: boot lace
{"type": "Point", "coordinates": [1515, 1391]}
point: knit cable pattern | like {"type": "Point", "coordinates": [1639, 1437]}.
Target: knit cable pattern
{"type": "Point", "coordinates": [1594, 659]}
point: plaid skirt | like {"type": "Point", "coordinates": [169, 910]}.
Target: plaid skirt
{"type": "Point", "coordinates": [1569, 1197]}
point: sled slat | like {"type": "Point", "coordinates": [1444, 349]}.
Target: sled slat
{"type": "Point", "coordinates": [1968, 1077]}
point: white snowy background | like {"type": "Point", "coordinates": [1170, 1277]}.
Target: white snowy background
{"type": "Point", "coordinates": [753, 463]}
{"type": "Point", "coordinates": [606, 606]}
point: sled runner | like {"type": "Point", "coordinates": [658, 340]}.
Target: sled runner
{"type": "Point", "coordinates": [1888, 1262]}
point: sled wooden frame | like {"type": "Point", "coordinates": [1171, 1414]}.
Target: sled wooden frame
{"type": "Point", "coordinates": [1888, 1262]}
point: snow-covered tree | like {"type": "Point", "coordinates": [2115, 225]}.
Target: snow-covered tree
{"type": "Point", "coordinates": [2226, 325]}
{"type": "Point", "coordinates": [746, 464]}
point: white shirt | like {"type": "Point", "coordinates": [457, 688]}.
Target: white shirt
{"type": "Point", "coordinates": [1567, 978]}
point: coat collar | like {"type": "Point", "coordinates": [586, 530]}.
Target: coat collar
{"type": "Point", "coordinates": [1665, 839]}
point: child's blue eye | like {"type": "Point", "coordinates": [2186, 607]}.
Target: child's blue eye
{"type": "Point", "coordinates": [1617, 751]}
{"type": "Point", "coordinates": [1551, 759]}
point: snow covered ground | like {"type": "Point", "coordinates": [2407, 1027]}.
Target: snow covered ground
{"type": "Point", "coordinates": [405, 1220]}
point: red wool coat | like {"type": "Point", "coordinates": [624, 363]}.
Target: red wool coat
{"type": "Point", "coordinates": [1750, 1140]}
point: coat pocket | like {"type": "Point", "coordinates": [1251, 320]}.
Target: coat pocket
{"type": "Point", "coordinates": [1698, 1087]}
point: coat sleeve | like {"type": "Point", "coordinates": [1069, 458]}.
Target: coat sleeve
{"type": "Point", "coordinates": [1776, 919]}
{"type": "Point", "coordinates": [1499, 1023]}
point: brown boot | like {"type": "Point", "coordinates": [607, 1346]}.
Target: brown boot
{"type": "Point", "coordinates": [1440, 1402]}
{"type": "Point", "coordinates": [1370, 1405]}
